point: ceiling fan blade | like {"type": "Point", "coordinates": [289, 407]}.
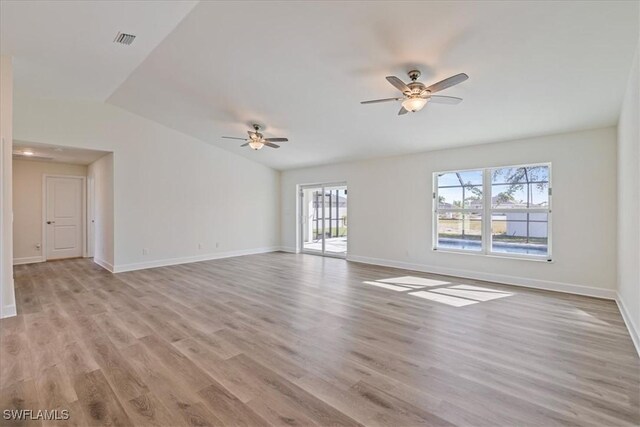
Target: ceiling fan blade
{"type": "Point", "coordinates": [451, 81]}
{"type": "Point", "coordinates": [398, 84]}
{"type": "Point", "coordinates": [276, 139]}
{"type": "Point", "coordinates": [439, 99]}
{"type": "Point", "coordinates": [375, 101]}
{"type": "Point", "coordinates": [245, 144]}
{"type": "Point", "coordinates": [233, 137]}
{"type": "Point", "coordinates": [268, 144]}
{"type": "Point", "coordinates": [402, 111]}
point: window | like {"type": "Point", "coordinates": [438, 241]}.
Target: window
{"type": "Point", "coordinates": [520, 210]}
{"type": "Point", "coordinates": [495, 211]}
{"type": "Point", "coordinates": [459, 210]}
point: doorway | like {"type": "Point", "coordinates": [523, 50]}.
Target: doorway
{"type": "Point", "coordinates": [59, 194]}
{"type": "Point", "coordinates": [323, 219]}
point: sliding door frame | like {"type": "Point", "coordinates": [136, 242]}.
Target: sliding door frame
{"type": "Point", "coordinates": [301, 218]}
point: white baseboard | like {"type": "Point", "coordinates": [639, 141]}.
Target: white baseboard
{"type": "Point", "coordinates": [492, 277]}
{"type": "Point", "coordinates": [104, 264]}
{"type": "Point", "coordinates": [8, 311]}
{"type": "Point", "coordinates": [633, 331]}
{"type": "Point", "coordinates": [28, 260]}
{"type": "Point", "coordinates": [186, 260]}
{"type": "Point", "coordinates": [288, 249]}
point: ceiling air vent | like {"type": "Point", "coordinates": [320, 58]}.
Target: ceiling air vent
{"type": "Point", "coordinates": [124, 38]}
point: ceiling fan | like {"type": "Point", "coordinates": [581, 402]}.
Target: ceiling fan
{"type": "Point", "coordinates": [257, 140]}
{"type": "Point", "coordinates": [415, 94]}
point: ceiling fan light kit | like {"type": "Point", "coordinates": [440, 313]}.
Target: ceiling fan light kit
{"type": "Point", "coordinates": [256, 145]}
{"type": "Point", "coordinates": [415, 95]}
{"type": "Point", "coordinates": [257, 140]}
{"type": "Point", "coordinates": [414, 104]}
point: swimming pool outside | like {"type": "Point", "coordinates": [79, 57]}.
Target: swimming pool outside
{"type": "Point", "coordinates": [509, 248]}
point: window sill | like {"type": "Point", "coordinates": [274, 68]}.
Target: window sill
{"type": "Point", "coordinates": [494, 255]}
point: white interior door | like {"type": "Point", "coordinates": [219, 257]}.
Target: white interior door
{"type": "Point", "coordinates": [91, 216]}
{"type": "Point", "coordinates": [64, 228]}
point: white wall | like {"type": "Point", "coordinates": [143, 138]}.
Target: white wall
{"type": "Point", "coordinates": [7, 296]}
{"type": "Point", "coordinates": [27, 205]}
{"type": "Point", "coordinates": [629, 205]}
{"type": "Point", "coordinates": [100, 176]}
{"type": "Point", "coordinates": [584, 210]}
{"type": "Point", "coordinates": [171, 192]}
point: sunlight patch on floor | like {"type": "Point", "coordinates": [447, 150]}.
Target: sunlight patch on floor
{"type": "Point", "coordinates": [440, 291]}
{"type": "Point", "coordinates": [388, 286]}
{"type": "Point", "coordinates": [445, 299]}
{"type": "Point", "coordinates": [472, 292]}
{"type": "Point", "coordinates": [589, 317]}
{"type": "Point", "coordinates": [413, 281]}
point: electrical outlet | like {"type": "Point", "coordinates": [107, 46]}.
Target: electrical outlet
{"type": "Point", "coordinates": [145, 251]}
{"type": "Point", "coordinates": [217, 244]}
{"type": "Point", "coordinates": [200, 246]}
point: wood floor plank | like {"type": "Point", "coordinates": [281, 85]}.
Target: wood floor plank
{"type": "Point", "coordinates": [396, 411]}
{"type": "Point", "coordinates": [244, 388]}
{"type": "Point", "coordinates": [305, 403]}
{"type": "Point", "coordinates": [15, 357]}
{"type": "Point", "coordinates": [116, 331]}
{"type": "Point", "coordinates": [20, 396]}
{"type": "Point", "coordinates": [148, 410]}
{"type": "Point", "coordinates": [286, 339]}
{"type": "Point", "coordinates": [176, 361]}
{"type": "Point", "coordinates": [99, 403]}
{"type": "Point", "coordinates": [77, 360]}
{"type": "Point", "coordinates": [134, 324]}
{"type": "Point", "coordinates": [176, 394]}
{"type": "Point", "coordinates": [366, 408]}
{"type": "Point", "coordinates": [228, 408]}
{"type": "Point", "coordinates": [76, 418]}
{"type": "Point", "coordinates": [121, 376]}
{"type": "Point", "coordinates": [54, 388]}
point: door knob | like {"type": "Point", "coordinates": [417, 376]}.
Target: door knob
{"type": "Point", "coordinates": [51, 222]}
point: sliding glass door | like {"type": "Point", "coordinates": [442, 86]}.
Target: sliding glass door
{"type": "Point", "coordinates": [311, 203]}
{"type": "Point", "coordinates": [323, 219]}
{"type": "Point", "coordinates": [335, 223]}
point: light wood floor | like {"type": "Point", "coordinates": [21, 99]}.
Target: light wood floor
{"type": "Point", "coordinates": [282, 339]}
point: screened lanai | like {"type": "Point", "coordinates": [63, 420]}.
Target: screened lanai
{"type": "Point", "coordinates": [496, 210]}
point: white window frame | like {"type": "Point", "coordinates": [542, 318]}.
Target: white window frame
{"type": "Point", "coordinates": [487, 212]}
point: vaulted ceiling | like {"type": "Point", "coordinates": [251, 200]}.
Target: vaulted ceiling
{"type": "Point", "coordinates": [65, 50]}
{"type": "Point", "coordinates": [301, 68]}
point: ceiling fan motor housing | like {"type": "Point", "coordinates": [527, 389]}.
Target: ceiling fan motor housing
{"type": "Point", "coordinates": [416, 87]}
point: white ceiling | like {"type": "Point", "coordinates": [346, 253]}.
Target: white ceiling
{"type": "Point", "coordinates": [301, 68]}
{"type": "Point", "coordinates": [65, 49]}
{"type": "Point", "coordinates": [55, 153]}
